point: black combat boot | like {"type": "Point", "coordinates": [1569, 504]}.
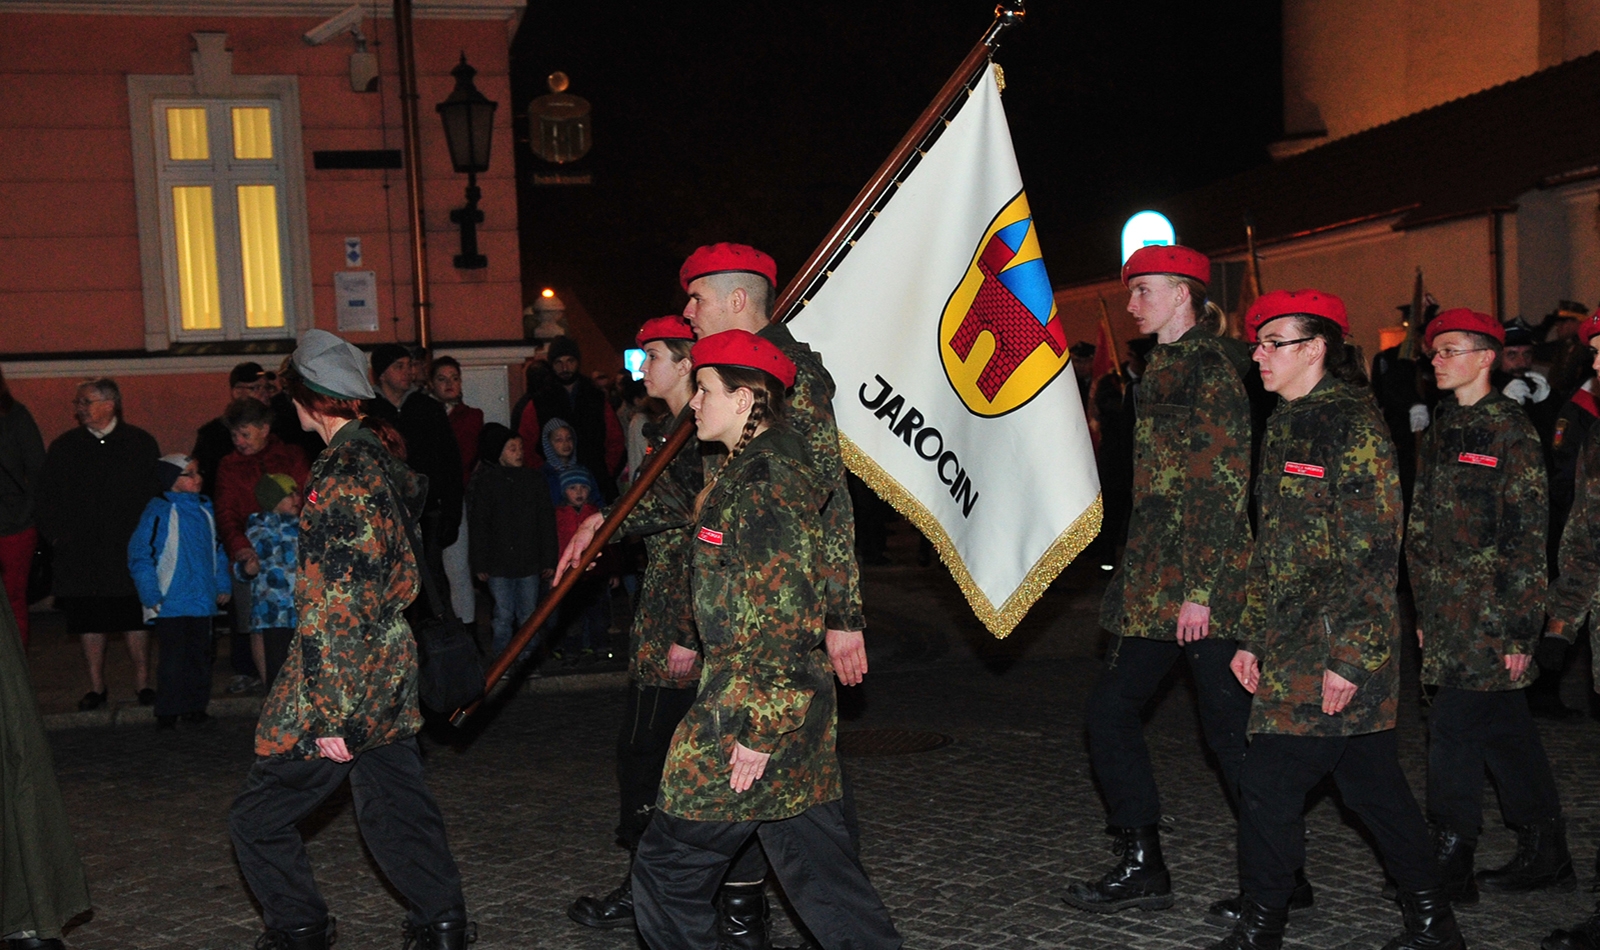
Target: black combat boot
{"type": "Point", "coordinates": [1541, 862]}
{"type": "Point", "coordinates": [1140, 880]}
{"type": "Point", "coordinates": [314, 937]}
{"type": "Point", "coordinates": [742, 914]}
{"type": "Point", "coordinates": [1257, 928]}
{"type": "Point", "coordinates": [1453, 853]}
{"type": "Point", "coordinates": [443, 935]}
{"type": "Point", "coordinates": [613, 910]}
{"type": "Point", "coordinates": [1302, 901]}
{"type": "Point", "coordinates": [1429, 923]}
{"type": "Point", "coordinates": [1585, 936]}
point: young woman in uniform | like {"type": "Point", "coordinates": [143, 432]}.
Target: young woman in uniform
{"type": "Point", "coordinates": [755, 753]}
{"type": "Point", "coordinates": [1319, 640]}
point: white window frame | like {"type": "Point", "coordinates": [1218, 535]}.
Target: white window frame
{"type": "Point", "coordinates": [213, 84]}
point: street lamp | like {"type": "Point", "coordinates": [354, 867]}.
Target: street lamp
{"type": "Point", "coordinates": [468, 128]}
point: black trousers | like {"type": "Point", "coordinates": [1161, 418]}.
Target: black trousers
{"type": "Point", "coordinates": [1280, 770]}
{"type": "Point", "coordinates": [398, 818]}
{"type": "Point", "coordinates": [681, 863]}
{"type": "Point", "coordinates": [1469, 731]}
{"type": "Point", "coordinates": [183, 674]}
{"type": "Point", "coordinates": [652, 715]}
{"type": "Point", "coordinates": [1134, 670]}
{"type": "Point", "coordinates": [276, 640]}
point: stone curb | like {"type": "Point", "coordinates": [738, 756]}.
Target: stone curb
{"type": "Point", "coordinates": [249, 707]}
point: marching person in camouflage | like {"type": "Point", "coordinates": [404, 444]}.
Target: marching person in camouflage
{"type": "Point", "coordinates": [1475, 546]}
{"type": "Point", "coordinates": [1571, 602]}
{"type": "Point", "coordinates": [755, 755]}
{"type": "Point", "coordinates": [663, 645]}
{"type": "Point", "coordinates": [1320, 645]}
{"type": "Point", "coordinates": [345, 703]}
{"type": "Point", "coordinates": [1180, 587]}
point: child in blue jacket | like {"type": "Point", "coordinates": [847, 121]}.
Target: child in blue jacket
{"type": "Point", "coordinates": [182, 577]}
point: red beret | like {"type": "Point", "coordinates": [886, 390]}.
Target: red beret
{"type": "Point", "coordinates": [1463, 319]}
{"type": "Point", "coordinates": [1168, 259]}
{"type": "Point", "coordinates": [743, 348]}
{"type": "Point", "coordinates": [671, 327]}
{"type": "Point", "coordinates": [1589, 328]}
{"type": "Point", "coordinates": [725, 258]}
{"type": "Point", "coordinates": [1288, 303]}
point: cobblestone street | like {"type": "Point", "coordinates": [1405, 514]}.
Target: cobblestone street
{"type": "Point", "coordinates": [971, 844]}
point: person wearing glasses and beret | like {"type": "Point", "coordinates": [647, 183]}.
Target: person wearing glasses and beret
{"type": "Point", "coordinates": [1475, 547]}
{"type": "Point", "coordinates": [1180, 587]}
{"type": "Point", "coordinates": [1320, 644]}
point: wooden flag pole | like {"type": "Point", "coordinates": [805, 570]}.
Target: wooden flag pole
{"type": "Point", "coordinates": [810, 276]}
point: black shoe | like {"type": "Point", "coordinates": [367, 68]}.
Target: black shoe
{"type": "Point", "coordinates": [1541, 862]}
{"type": "Point", "coordinates": [147, 697]}
{"type": "Point", "coordinates": [1302, 902]}
{"type": "Point", "coordinates": [1453, 855]}
{"type": "Point", "coordinates": [201, 718]}
{"type": "Point", "coordinates": [1585, 936]}
{"type": "Point", "coordinates": [1140, 880]}
{"type": "Point", "coordinates": [1429, 923]}
{"type": "Point", "coordinates": [166, 723]}
{"type": "Point", "coordinates": [314, 937]}
{"type": "Point", "coordinates": [92, 700]}
{"type": "Point", "coordinates": [35, 943]}
{"type": "Point", "coordinates": [444, 935]}
{"type": "Point", "coordinates": [613, 910]}
{"type": "Point", "coordinates": [742, 917]}
{"type": "Point", "coordinates": [1257, 928]}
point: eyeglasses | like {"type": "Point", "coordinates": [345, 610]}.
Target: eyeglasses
{"type": "Point", "coordinates": [1274, 346]}
{"type": "Point", "coordinates": [1449, 353]}
{"type": "Point", "coordinates": [82, 403]}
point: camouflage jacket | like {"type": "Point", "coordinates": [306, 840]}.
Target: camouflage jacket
{"type": "Point", "coordinates": [665, 613]}
{"type": "Point", "coordinates": [1574, 592]}
{"type": "Point", "coordinates": [759, 604]}
{"type": "Point", "coordinates": [1475, 543]}
{"type": "Point", "coordinates": [810, 413]}
{"type": "Point", "coordinates": [1321, 584]}
{"type": "Point", "coordinates": [352, 667]}
{"type": "Point", "coordinates": [1189, 533]}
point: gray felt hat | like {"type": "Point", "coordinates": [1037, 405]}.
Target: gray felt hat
{"type": "Point", "coordinates": [332, 366]}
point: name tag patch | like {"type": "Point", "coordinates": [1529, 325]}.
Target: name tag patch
{"type": "Point", "coordinates": [709, 536]}
{"type": "Point", "coordinates": [1472, 458]}
{"type": "Point", "coordinates": [1302, 468]}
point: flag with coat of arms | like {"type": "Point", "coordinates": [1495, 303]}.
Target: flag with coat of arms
{"type": "Point", "coordinates": [955, 400]}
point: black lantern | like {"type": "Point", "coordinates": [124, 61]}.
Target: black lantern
{"type": "Point", "coordinates": [468, 128]}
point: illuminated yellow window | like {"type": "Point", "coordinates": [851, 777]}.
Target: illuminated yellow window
{"type": "Point", "coordinates": [258, 253]}
{"type": "Point", "coordinates": [196, 248]}
{"type": "Point", "coordinates": [252, 132]}
{"type": "Point", "coordinates": [186, 135]}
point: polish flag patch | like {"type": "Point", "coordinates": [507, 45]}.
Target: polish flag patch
{"type": "Point", "coordinates": [1302, 468]}
{"type": "Point", "coordinates": [709, 536]}
{"type": "Point", "coordinates": [311, 498]}
{"type": "Point", "coordinates": [1472, 458]}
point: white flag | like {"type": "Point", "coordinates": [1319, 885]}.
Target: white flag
{"type": "Point", "coordinates": [955, 401]}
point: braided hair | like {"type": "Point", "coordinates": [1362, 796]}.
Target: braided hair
{"type": "Point", "coordinates": [766, 407]}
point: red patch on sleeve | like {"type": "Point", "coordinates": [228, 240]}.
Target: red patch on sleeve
{"type": "Point", "coordinates": [1472, 458]}
{"type": "Point", "coordinates": [709, 536]}
{"type": "Point", "coordinates": [311, 497]}
{"type": "Point", "coordinates": [1302, 468]}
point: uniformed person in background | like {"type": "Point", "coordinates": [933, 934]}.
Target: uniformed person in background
{"type": "Point", "coordinates": [1571, 596]}
{"type": "Point", "coordinates": [755, 756]}
{"type": "Point", "coordinates": [1179, 589]}
{"type": "Point", "coordinates": [1475, 546]}
{"type": "Point", "coordinates": [1320, 644]}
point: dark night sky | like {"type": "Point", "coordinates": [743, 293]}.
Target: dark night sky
{"type": "Point", "coordinates": [757, 122]}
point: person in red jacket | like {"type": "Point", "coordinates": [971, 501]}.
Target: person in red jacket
{"type": "Point", "coordinates": [466, 422]}
{"type": "Point", "coordinates": [256, 452]}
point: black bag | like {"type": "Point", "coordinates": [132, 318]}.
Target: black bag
{"type": "Point", "coordinates": [450, 668]}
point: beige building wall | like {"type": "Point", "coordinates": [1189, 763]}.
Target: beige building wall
{"type": "Point", "coordinates": [1349, 65]}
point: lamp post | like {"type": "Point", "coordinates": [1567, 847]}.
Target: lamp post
{"type": "Point", "coordinates": [468, 128]}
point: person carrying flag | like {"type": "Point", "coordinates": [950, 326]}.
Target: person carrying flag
{"type": "Point", "coordinates": [1179, 589]}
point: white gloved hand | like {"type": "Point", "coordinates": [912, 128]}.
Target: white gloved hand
{"type": "Point", "coordinates": [1519, 390]}
{"type": "Point", "coordinates": [1541, 386]}
{"type": "Point", "coordinates": [1419, 417]}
